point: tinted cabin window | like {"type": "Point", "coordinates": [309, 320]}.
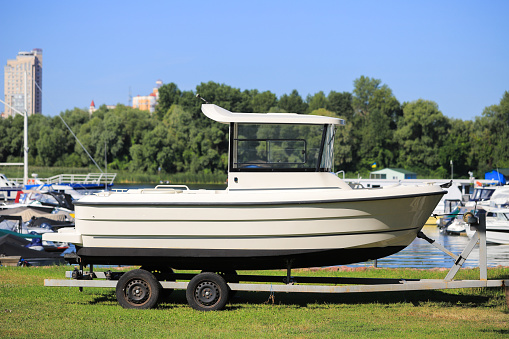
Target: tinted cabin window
{"type": "Point", "coordinates": [280, 147]}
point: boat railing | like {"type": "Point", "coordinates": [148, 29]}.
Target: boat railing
{"type": "Point", "coordinates": [165, 189]}
{"type": "Point", "coordinates": [171, 186]}
{"type": "Point", "coordinates": [90, 178]}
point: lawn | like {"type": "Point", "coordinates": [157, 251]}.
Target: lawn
{"type": "Point", "coordinates": [28, 309]}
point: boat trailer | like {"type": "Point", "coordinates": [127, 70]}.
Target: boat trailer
{"type": "Point", "coordinates": [207, 291]}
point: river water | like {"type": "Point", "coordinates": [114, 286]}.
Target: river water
{"type": "Point", "coordinates": [419, 254]}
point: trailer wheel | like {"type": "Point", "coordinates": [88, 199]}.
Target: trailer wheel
{"type": "Point", "coordinates": [138, 289]}
{"type": "Point", "coordinates": [230, 276]}
{"type": "Point", "coordinates": [207, 292]}
{"type": "Point", "coordinates": [162, 274]}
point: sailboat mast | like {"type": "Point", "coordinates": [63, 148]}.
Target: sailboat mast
{"type": "Point", "coordinates": [25, 136]}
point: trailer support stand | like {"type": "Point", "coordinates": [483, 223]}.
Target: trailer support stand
{"type": "Point", "coordinates": [288, 280]}
{"type": "Point", "coordinates": [479, 236]}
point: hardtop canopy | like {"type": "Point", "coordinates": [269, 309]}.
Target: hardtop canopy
{"type": "Point", "coordinates": [222, 115]}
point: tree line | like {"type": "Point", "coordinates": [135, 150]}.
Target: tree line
{"type": "Point", "coordinates": [178, 138]}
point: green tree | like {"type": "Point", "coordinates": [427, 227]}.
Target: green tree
{"type": "Point", "coordinates": [317, 101]}
{"type": "Point", "coordinates": [169, 94]}
{"type": "Point", "coordinates": [422, 132]}
{"type": "Point", "coordinates": [490, 144]}
{"type": "Point", "coordinates": [341, 104]}
{"type": "Point", "coordinates": [263, 102]}
{"type": "Point", "coordinates": [457, 147]}
{"type": "Point", "coordinates": [377, 112]}
{"type": "Point", "coordinates": [364, 91]}
{"type": "Point", "coordinates": [292, 103]}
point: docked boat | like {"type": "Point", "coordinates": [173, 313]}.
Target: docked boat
{"type": "Point", "coordinates": [8, 189]}
{"type": "Point", "coordinates": [497, 226]}
{"type": "Point", "coordinates": [283, 208]}
{"type": "Point", "coordinates": [457, 226]}
{"type": "Point", "coordinates": [90, 181]}
{"type": "Point", "coordinates": [489, 196]}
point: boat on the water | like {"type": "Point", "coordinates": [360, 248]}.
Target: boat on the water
{"type": "Point", "coordinates": [283, 208]}
{"type": "Point", "coordinates": [497, 226]}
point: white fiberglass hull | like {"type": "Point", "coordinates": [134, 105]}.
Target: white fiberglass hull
{"type": "Point", "coordinates": [254, 229]}
{"type": "Point", "coordinates": [495, 234]}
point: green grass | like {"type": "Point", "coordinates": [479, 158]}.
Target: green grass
{"type": "Point", "coordinates": [30, 310]}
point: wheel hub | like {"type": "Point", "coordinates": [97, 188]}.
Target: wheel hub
{"type": "Point", "coordinates": [207, 293]}
{"type": "Point", "coordinates": [137, 291]}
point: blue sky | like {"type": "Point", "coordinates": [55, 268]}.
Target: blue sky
{"type": "Point", "coordinates": [455, 53]}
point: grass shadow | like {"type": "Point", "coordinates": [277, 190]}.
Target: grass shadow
{"type": "Point", "coordinates": [178, 299]}
{"type": "Point", "coordinates": [387, 298]}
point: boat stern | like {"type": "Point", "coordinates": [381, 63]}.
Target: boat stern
{"type": "Point", "coordinates": [66, 234]}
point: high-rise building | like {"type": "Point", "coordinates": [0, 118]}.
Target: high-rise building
{"type": "Point", "coordinates": [14, 83]}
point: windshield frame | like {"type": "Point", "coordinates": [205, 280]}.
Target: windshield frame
{"type": "Point", "coordinates": [323, 159]}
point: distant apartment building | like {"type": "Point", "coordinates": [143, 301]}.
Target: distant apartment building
{"type": "Point", "coordinates": [14, 83]}
{"type": "Point", "coordinates": [148, 102]}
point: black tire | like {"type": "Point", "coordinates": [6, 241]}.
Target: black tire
{"type": "Point", "coordinates": [207, 292]}
{"type": "Point", "coordinates": [162, 274]}
{"type": "Point", "coordinates": [138, 289]}
{"type": "Point", "coordinates": [230, 276]}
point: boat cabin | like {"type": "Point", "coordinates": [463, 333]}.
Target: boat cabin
{"type": "Point", "coordinates": [273, 150]}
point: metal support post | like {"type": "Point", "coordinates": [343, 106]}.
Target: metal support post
{"type": "Point", "coordinates": [483, 250]}
{"type": "Point", "coordinates": [479, 224]}
{"type": "Point", "coordinates": [288, 280]}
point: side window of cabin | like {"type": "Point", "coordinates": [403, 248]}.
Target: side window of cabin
{"type": "Point", "coordinates": [276, 146]}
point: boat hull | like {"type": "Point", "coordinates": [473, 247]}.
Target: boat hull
{"type": "Point", "coordinates": [228, 260]}
{"type": "Point", "coordinates": [255, 230]}
{"type": "Point", "coordinates": [494, 235]}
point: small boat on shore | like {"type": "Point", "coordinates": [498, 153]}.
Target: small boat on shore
{"type": "Point", "coordinates": [283, 208]}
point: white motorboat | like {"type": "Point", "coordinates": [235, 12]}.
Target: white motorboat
{"type": "Point", "coordinates": [456, 227]}
{"type": "Point", "coordinates": [497, 226]}
{"type": "Point", "coordinates": [490, 196]}
{"type": "Point", "coordinates": [8, 189]}
{"type": "Point", "coordinates": [283, 208]}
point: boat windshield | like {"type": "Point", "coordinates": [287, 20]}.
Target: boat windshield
{"type": "Point", "coordinates": [281, 147]}
{"type": "Point", "coordinates": [481, 194]}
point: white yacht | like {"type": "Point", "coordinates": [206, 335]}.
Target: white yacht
{"type": "Point", "coordinates": [283, 208]}
{"type": "Point", "coordinates": [497, 226]}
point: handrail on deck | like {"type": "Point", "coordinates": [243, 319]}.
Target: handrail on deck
{"type": "Point", "coordinates": [90, 178]}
